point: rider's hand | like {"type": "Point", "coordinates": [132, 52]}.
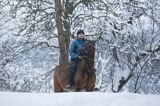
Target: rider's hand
{"type": "Point", "coordinates": [80, 57]}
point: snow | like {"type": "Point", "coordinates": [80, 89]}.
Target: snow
{"type": "Point", "coordinates": [78, 99]}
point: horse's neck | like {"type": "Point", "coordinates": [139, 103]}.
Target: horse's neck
{"type": "Point", "coordinates": [88, 65]}
{"type": "Point", "coordinates": [90, 62]}
{"type": "Point", "coordinates": [88, 70]}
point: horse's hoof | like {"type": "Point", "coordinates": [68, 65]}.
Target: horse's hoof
{"type": "Point", "coordinates": [95, 89]}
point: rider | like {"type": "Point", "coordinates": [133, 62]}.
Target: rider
{"type": "Point", "coordinates": [74, 51]}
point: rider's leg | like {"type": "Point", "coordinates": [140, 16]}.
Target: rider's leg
{"type": "Point", "coordinates": [71, 73]}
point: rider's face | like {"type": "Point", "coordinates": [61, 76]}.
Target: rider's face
{"type": "Point", "coordinates": [81, 35]}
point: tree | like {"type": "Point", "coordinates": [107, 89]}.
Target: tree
{"type": "Point", "coordinates": [63, 29]}
{"type": "Point", "coordinates": [64, 16]}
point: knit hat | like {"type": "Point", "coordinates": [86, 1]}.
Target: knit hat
{"type": "Point", "coordinates": [80, 31]}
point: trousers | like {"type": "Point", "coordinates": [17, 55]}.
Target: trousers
{"type": "Point", "coordinates": [72, 71]}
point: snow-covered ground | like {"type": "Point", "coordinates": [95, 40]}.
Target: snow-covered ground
{"type": "Point", "coordinates": [78, 99]}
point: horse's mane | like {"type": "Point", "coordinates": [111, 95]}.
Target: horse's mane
{"type": "Point", "coordinates": [90, 49]}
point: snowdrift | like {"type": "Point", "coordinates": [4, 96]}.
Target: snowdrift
{"type": "Point", "coordinates": [78, 99]}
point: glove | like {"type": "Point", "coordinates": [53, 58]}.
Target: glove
{"type": "Point", "coordinates": [78, 58]}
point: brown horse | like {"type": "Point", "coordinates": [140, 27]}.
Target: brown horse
{"type": "Point", "coordinates": [84, 78]}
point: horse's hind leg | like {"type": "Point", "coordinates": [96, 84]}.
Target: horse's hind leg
{"type": "Point", "coordinates": [57, 87]}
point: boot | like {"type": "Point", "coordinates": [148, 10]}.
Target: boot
{"type": "Point", "coordinates": [68, 88]}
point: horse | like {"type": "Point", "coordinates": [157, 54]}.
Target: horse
{"type": "Point", "coordinates": [84, 78]}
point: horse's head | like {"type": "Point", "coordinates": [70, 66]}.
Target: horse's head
{"type": "Point", "coordinates": [88, 50]}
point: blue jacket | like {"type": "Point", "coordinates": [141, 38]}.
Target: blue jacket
{"type": "Point", "coordinates": [75, 47]}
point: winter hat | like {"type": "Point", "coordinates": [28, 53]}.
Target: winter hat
{"type": "Point", "coordinates": [80, 31]}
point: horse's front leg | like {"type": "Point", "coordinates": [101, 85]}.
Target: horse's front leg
{"type": "Point", "coordinates": [77, 87]}
{"type": "Point", "coordinates": [91, 83]}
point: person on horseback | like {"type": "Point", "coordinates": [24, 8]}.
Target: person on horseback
{"type": "Point", "coordinates": [75, 53]}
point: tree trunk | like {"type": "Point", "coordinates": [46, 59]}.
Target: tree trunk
{"type": "Point", "coordinates": [63, 34]}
